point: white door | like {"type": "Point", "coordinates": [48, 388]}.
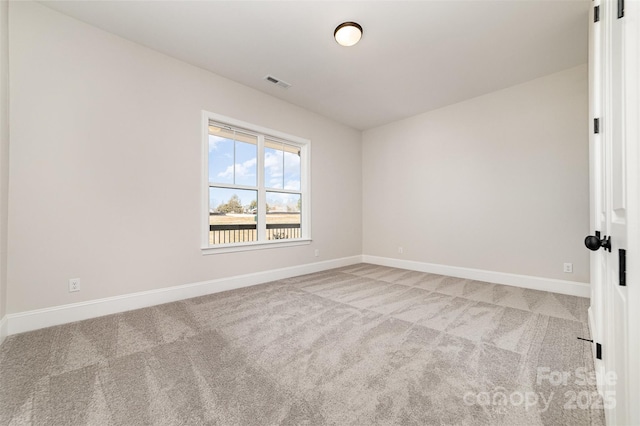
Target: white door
{"type": "Point", "coordinates": [613, 144]}
{"type": "Point", "coordinates": [597, 158]}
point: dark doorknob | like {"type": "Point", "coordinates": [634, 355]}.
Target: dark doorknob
{"type": "Point", "coordinates": [593, 242]}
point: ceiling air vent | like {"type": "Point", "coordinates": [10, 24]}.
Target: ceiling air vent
{"type": "Point", "coordinates": [277, 82]}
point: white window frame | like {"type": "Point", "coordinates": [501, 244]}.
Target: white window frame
{"type": "Point", "coordinates": [305, 185]}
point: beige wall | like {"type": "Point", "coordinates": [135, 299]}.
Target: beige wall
{"type": "Point", "coordinates": [498, 182]}
{"type": "Point", "coordinates": [105, 172]}
{"type": "Point", "coordinates": [105, 166]}
{"type": "Point", "coordinates": [4, 150]}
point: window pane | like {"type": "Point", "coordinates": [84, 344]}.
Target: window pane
{"type": "Point", "coordinates": [283, 216]}
{"type": "Point", "coordinates": [281, 166]}
{"type": "Point", "coordinates": [232, 157]}
{"type": "Point", "coordinates": [292, 170]}
{"type": "Point", "coordinates": [246, 164]}
{"type": "Point", "coordinates": [273, 164]}
{"type": "Point", "coordinates": [232, 215]}
{"type": "Point", "coordinates": [220, 159]}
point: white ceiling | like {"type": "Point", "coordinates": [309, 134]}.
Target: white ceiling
{"type": "Point", "coordinates": [415, 56]}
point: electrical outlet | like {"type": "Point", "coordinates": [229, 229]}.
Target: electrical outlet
{"type": "Point", "coordinates": [316, 253]}
{"type": "Point", "coordinates": [568, 268]}
{"type": "Point", "coordinates": [74, 285]}
{"type": "Point", "coordinates": [400, 250]}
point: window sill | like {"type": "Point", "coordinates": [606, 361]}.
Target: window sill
{"type": "Point", "coordinates": [233, 248]}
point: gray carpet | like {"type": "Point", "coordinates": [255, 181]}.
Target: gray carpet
{"type": "Point", "coordinates": [360, 345]}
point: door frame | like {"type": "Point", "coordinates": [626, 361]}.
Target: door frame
{"type": "Point", "coordinates": [632, 130]}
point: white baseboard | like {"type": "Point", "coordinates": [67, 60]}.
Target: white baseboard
{"type": "Point", "coordinates": [47, 317]}
{"type": "Point", "coordinates": [3, 329]}
{"type": "Point", "coordinates": [545, 284]}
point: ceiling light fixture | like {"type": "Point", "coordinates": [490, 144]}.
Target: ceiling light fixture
{"type": "Point", "coordinates": [348, 33]}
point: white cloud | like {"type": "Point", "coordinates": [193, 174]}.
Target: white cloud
{"type": "Point", "coordinates": [271, 160]}
{"type": "Point", "coordinates": [214, 142]}
{"type": "Point", "coordinates": [292, 184]}
{"type": "Point", "coordinates": [242, 170]}
{"type": "Point", "coordinates": [274, 170]}
{"type": "Point", "coordinates": [273, 164]}
{"type": "Point", "coordinates": [292, 160]}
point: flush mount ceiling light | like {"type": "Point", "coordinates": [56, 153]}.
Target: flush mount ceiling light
{"type": "Point", "coordinates": [348, 33]}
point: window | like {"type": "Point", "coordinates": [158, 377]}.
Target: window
{"type": "Point", "coordinates": [256, 192]}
